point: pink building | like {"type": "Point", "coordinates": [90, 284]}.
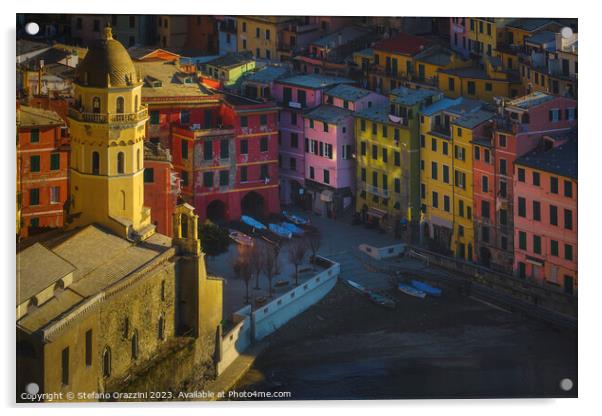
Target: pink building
{"type": "Point", "coordinates": [296, 95]}
{"type": "Point", "coordinates": [516, 132]}
{"type": "Point", "coordinates": [545, 220]}
{"type": "Point", "coordinates": [329, 143]}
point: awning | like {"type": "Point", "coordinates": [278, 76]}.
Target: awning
{"type": "Point", "coordinates": [327, 195]}
{"type": "Point", "coordinates": [377, 213]}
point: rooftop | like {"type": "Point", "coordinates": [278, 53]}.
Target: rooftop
{"type": "Point", "coordinates": [476, 73]}
{"type": "Point", "coordinates": [456, 106]}
{"type": "Point", "coordinates": [379, 114]}
{"type": "Point", "coordinates": [435, 55]}
{"type": "Point", "coordinates": [26, 46]}
{"type": "Point", "coordinates": [403, 43]}
{"type": "Point", "coordinates": [231, 59]}
{"type": "Point", "coordinates": [530, 24]}
{"type": "Point", "coordinates": [366, 53]}
{"type": "Point", "coordinates": [531, 100]}
{"type": "Point", "coordinates": [560, 160]}
{"type": "Point", "coordinates": [348, 92]}
{"type": "Point", "coordinates": [408, 96]}
{"type": "Point", "coordinates": [542, 37]}
{"type": "Point", "coordinates": [329, 113]}
{"type": "Point", "coordinates": [36, 117]}
{"type": "Point", "coordinates": [98, 260]}
{"type": "Point", "coordinates": [340, 37]}
{"type": "Point", "coordinates": [267, 74]}
{"type": "Point", "coordinates": [169, 81]}
{"type": "Point", "coordinates": [314, 81]}
{"type": "Point", "coordinates": [473, 119]}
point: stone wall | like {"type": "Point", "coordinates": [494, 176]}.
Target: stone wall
{"type": "Point", "coordinates": [236, 340]}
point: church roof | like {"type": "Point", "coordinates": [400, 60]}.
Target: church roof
{"type": "Point", "coordinates": [107, 64]}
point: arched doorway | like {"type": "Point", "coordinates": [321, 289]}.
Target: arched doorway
{"type": "Point", "coordinates": [253, 205]}
{"type": "Point", "coordinates": [216, 211]}
{"type": "Point", "coordinates": [485, 256]}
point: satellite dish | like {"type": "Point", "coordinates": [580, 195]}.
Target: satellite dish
{"type": "Point", "coordinates": [566, 32]}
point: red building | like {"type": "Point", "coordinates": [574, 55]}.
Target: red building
{"type": "Point", "coordinates": [233, 169]}
{"type": "Point", "coordinates": [545, 219]}
{"type": "Point", "coordinates": [42, 169]}
{"type": "Point", "coordinates": [161, 186]}
{"type": "Point", "coordinates": [517, 131]}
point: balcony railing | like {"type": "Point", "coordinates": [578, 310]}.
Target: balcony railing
{"type": "Point", "coordinates": [109, 118]}
{"type": "Point", "coordinates": [374, 190]}
{"type": "Point", "coordinates": [509, 126]}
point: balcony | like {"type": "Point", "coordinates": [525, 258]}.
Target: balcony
{"type": "Point", "coordinates": [510, 126]}
{"type": "Point", "coordinates": [141, 115]}
{"type": "Point", "coordinates": [441, 130]}
{"type": "Point", "coordinates": [374, 190]}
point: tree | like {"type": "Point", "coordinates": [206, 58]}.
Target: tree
{"type": "Point", "coordinates": [313, 240]}
{"type": "Point", "coordinates": [214, 240]}
{"type": "Point", "coordinates": [296, 254]}
{"type": "Point", "coordinates": [270, 263]}
{"type": "Point", "coordinates": [242, 267]}
{"type": "Point", "coordinates": [256, 261]}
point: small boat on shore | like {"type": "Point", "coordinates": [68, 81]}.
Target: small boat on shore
{"type": "Point", "coordinates": [295, 219]}
{"type": "Point", "coordinates": [380, 300]}
{"type": "Point", "coordinates": [412, 291]}
{"type": "Point", "coordinates": [293, 228]}
{"type": "Point", "coordinates": [426, 288]}
{"type": "Point", "coordinates": [280, 231]}
{"type": "Point", "coordinates": [357, 286]}
{"type": "Point", "coordinates": [240, 237]}
{"type": "Point", "coordinates": [252, 222]}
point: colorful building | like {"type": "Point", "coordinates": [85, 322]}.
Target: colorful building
{"type": "Point", "coordinates": [232, 169]}
{"type": "Point", "coordinates": [161, 186]}
{"type": "Point", "coordinates": [296, 95]}
{"type": "Point", "coordinates": [388, 159]}
{"type": "Point", "coordinates": [393, 61]}
{"type": "Point", "coordinates": [330, 147]}
{"type": "Point", "coordinates": [517, 131]}
{"type": "Point", "coordinates": [448, 130]}
{"type": "Point", "coordinates": [228, 68]}
{"type": "Point", "coordinates": [262, 35]}
{"type": "Point", "coordinates": [545, 184]}
{"type": "Point", "coordinates": [227, 34]}
{"type": "Point", "coordinates": [42, 169]}
{"type": "Point", "coordinates": [260, 84]}
{"type": "Point", "coordinates": [482, 84]}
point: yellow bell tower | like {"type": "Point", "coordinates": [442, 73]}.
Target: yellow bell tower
{"type": "Point", "coordinates": [107, 124]}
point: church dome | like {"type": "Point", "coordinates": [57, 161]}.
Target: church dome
{"type": "Point", "coordinates": [107, 64]}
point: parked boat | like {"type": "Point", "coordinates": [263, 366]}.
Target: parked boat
{"type": "Point", "coordinates": [280, 231]}
{"type": "Point", "coordinates": [425, 287]}
{"type": "Point", "coordinates": [412, 291]}
{"type": "Point", "coordinates": [252, 222]}
{"type": "Point", "coordinates": [295, 219]}
{"type": "Point", "coordinates": [240, 237]}
{"type": "Point", "coordinates": [357, 287]}
{"type": "Point", "coordinates": [293, 228]}
{"type": "Point", "coordinates": [380, 300]}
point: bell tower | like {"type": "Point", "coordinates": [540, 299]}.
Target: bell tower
{"type": "Point", "coordinates": [108, 126]}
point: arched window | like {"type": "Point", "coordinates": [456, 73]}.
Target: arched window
{"type": "Point", "coordinates": [123, 200]}
{"type": "Point", "coordinates": [161, 327]}
{"type": "Point", "coordinates": [135, 345]}
{"type": "Point", "coordinates": [120, 162]}
{"type": "Point", "coordinates": [136, 104]}
{"type": "Point", "coordinates": [96, 105]}
{"type": "Point", "coordinates": [106, 362]}
{"type": "Point", "coordinates": [184, 226]}
{"type": "Point", "coordinates": [120, 107]}
{"type": "Point", "coordinates": [95, 163]}
{"type": "Point", "coordinates": [138, 159]}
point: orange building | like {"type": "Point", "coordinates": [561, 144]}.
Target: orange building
{"type": "Point", "coordinates": [42, 169]}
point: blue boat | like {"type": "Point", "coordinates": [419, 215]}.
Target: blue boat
{"type": "Point", "coordinates": [296, 219]}
{"type": "Point", "coordinates": [252, 222]}
{"type": "Point", "coordinates": [292, 228]}
{"type": "Point", "coordinates": [409, 290]}
{"type": "Point", "coordinates": [426, 288]}
{"type": "Point", "coordinates": [280, 231]}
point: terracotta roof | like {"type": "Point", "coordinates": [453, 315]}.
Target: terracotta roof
{"type": "Point", "coordinates": [404, 44]}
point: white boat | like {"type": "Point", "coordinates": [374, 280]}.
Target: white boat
{"type": "Point", "coordinates": [409, 290]}
{"type": "Point", "coordinates": [295, 219]}
{"type": "Point", "coordinates": [357, 287]}
{"type": "Point", "coordinates": [240, 237]}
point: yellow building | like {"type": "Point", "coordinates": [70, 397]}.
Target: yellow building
{"type": "Point", "coordinates": [259, 34]}
{"type": "Point", "coordinates": [482, 84]}
{"type": "Point", "coordinates": [447, 129]}
{"type": "Point", "coordinates": [230, 67]}
{"type": "Point", "coordinates": [110, 305]}
{"type": "Point", "coordinates": [387, 148]}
